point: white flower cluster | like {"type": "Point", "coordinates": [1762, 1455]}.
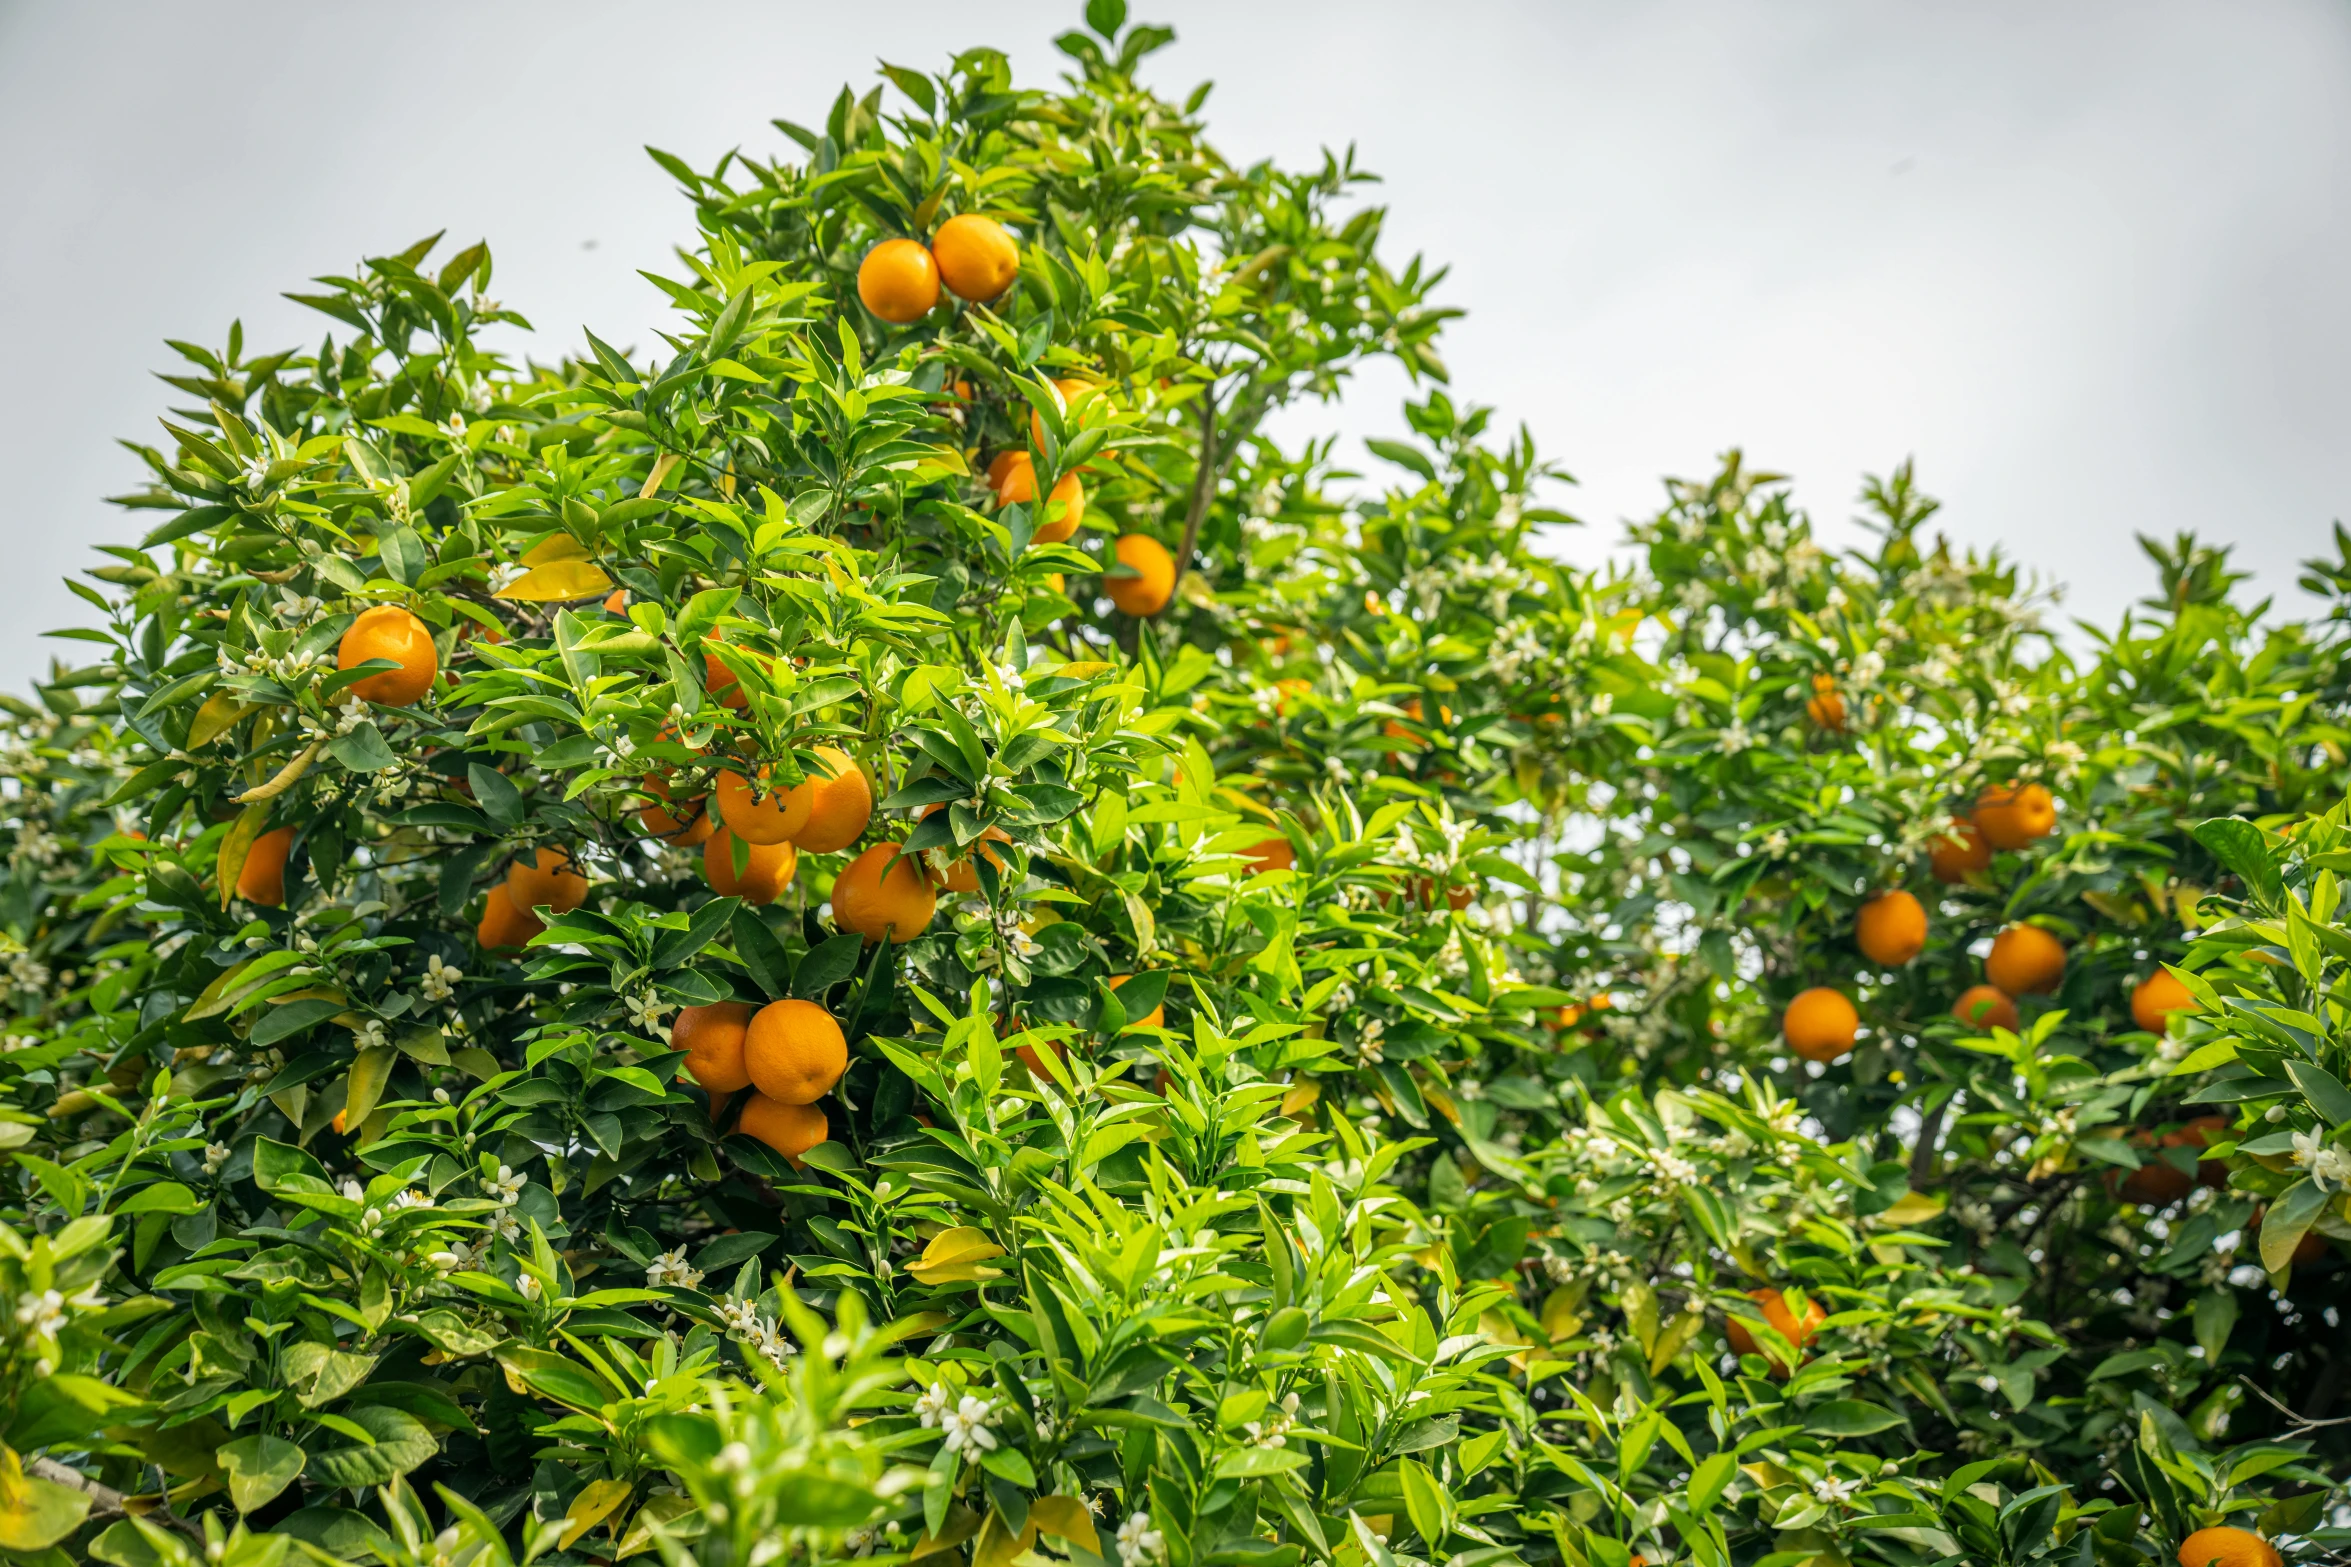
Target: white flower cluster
{"type": "Point", "coordinates": [962, 1422]}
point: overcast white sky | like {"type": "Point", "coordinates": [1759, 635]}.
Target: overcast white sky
{"type": "Point", "coordinates": [2083, 261]}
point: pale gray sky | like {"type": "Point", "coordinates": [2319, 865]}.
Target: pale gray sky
{"type": "Point", "coordinates": [2082, 260]}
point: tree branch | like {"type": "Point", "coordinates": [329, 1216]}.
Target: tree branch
{"type": "Point", "coordinates": [1203, 486]}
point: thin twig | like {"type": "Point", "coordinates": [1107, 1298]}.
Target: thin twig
{"type": "Point", "coordinates": [105, 1501]}
{"type": "Point", "coordinates": [2300, 1422]}
{"type": "Point", "coordinates": [1203, 486]}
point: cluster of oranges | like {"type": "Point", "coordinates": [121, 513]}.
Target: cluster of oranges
{"type": "Point", "coordinates": [1821, 1024]}
{"type": "Point", "coordinates": [974, 256]}
{"type": "Point", "coordinates": [547, 879]}
{"type": "Point", "coordinates": [883, 894]}
{"type": "Point", "coordinates": [788, 1053]}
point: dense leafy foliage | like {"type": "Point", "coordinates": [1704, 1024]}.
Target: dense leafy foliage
{"type": "Point", "coordinates": [1362, 1043]}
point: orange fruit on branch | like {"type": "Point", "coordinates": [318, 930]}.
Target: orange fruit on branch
{"type": "Point", "coordinates": [1987, 1007]}
{"type": "Point", "coordinates": [721, 686]}
{"type": "Point", "coordinates": [883, 892]}
{"type": "Point", "coordinates": [757, 814]}
{"type": "Point", "coordinates": [975, 256]}
{"type": "Point", "coordinates": [1820, 1024]}
{"type": "Point", "coordinates": [2025, 960]}
{"type": "Point", "coordinates": [1274, 854]}
{"type": "Point", "coordinates": [794, 1052]}
{"type": "Point", "coordinates": [503, 926]}
{"type": "Point", "coordinates": [2226, 1547]}
{"type": "Point", "coordinates": [2012, 816]}
{"type": "Point", "coordinates": [898, 281]}
{"type": "Point", "coordinates": [686, 825]}
{"type": "Point", "coordinates": [1825, 707]}
{"type": "Point", "coordinates": [2155, 998]}
{"type": "Point", "coordinates": [388, 631]}
{"type": "Point", "coordinates": [766, 873]}
{"type": "Point", "coordinates": [262, 878]}
{"type": "Point", "coordinates": [1072, 394]}
{"type": "Point", "coordinates": [1146, 592]}
{"type": "Point", "coordinates": [840, 803]}
{"type": "Point", "coordinates": [712, 1038]}
{"type": "Point", "coordinates": [1891, 929]}
{"type": "Point", "coordinates": [550, 878]}
{"type": "Point", "coordinates": [1957, 856]}
{"type": "Point", "coordinates": [1782, 1321]}
{"type": "Point", "coordinates": [1061, 516]}
{"type": "Point", "coordinates": [790, 1129]}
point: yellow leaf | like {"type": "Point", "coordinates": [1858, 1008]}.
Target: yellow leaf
{"type": "Point", "coordinates": [1914, 1208]}
{"type": "Point", "coordinates": [656, 1511]}
{"type": "Point", "coordinates": [558, 582]}
{"type": "Point", "coordinates": [1302, 1095]}
{"type": "Point", "coordinates": [554, 547]}
{"type": "Point", "coordinates": [590, 1508]}
{"type": "Point", "coordinates": [961, 1524]}
{"type": "Point", "coordinates": [368, 1076]}
{"type": "Point", "coordinates": [954, 1257]}
{"type": "Point", "coordinates": [1066, 1518]}
{"type": "Point", "coordinates": [215, 718]}
{"type": "Point", "coordinates": [236, 845]}
{"type": "Point", "coordinates": [996, 1546]}
{"type": "Point", "coordinates": [1083, 669]}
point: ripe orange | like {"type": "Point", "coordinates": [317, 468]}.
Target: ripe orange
{"type": "Point", "coordinates": [963, 875]}
{"type": "Point", "coordinates": [550, 878]}
{"type": "Point", "coordinates": [1955, 858]}
{"type": "Point", "coordinates": [1146, 593]}
{"type": "Point", "coordinates": [2012, 817]}
{"type": "Point", "coordinates": [712, 1038]}
{"type": "Point", "coordinates": [1825, 707]}
{"type": "Point", "coordinates": [1891, 929]}
{"type": "Point", "coordinates": [840, 803]}
{"type": "Point", "coordinates": [2025, 960]}
{"type": "Point", "coordinates": [720, 684]}
{"type": "Point", "coordinates": [687, 826]}
{"type": "Point", "coordinates": [1158, 1017]}
{"type": "Point", "coordinates": [1986, 1006]}
{"type": "Point", "coordinates": [1274, 854]}
{"type": "Point", "coordinates": [1064, 513]}
{"type": "Point", "coordinates": [1782, 1320]}
{"type": "Point", "coordinates": [1820, 1024]}
{"type": "Point", "coordinates": [789, 1129]}
{"type": "Point", "coordinates": [263, 878]}
{"type": "Point", "coordinates": [503, 926]}
{"type": "Point", "coordinates": [757, 814]}
{"type": "Point", "coordinates": [884, 892]}
{"type": "Point", "coordinates": [975, 257]}
{"type": "Point", "coordinates": [2155, 998]}
{"type": "Point", "coordinates": [2156, 1183]}
{"type": "Point", "coordinates": [616, 602]}
{"type": "Point", "coordinates": [388, 631]}
{"type": "Point", "coordinates": [764, 878]}
{"type": "Point", "coordinates": [898, 281]}
{"type": "Point", "coordinates": [1072, 394]}
{"type": "Point", "coordinates": [2225, 1547]}
{"type": "Point", "coordinates": [794, 1052]}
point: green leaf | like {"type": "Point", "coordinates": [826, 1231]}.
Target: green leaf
{"type": "Point", "coordinates": [495, 793]}
{"type": "Point", "coordinates": [2289, 1219]}
{"type": "Point", "coordinates": [763, 956]}
{"type": "Point", "coordinates": [2248, 851]}
{"type": "Point", "coordinates": [1849, 1417]}
{"type": "Point", "coordinates": [259, 1467]}
{"type": "Point", "coordinates": [363, 750]}
{"type": "Point", "coordinates": [2323, 1089]}
{"type": "Point", "coordinates": [1249, 1463]}
{"type": "Point", "coordinates": [1425, 1502]}
{"type": "Point", "coordinates": [401, 1443]}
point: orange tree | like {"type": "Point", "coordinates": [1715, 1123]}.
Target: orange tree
{"type": "Point", "coordinates": [893, 933]}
